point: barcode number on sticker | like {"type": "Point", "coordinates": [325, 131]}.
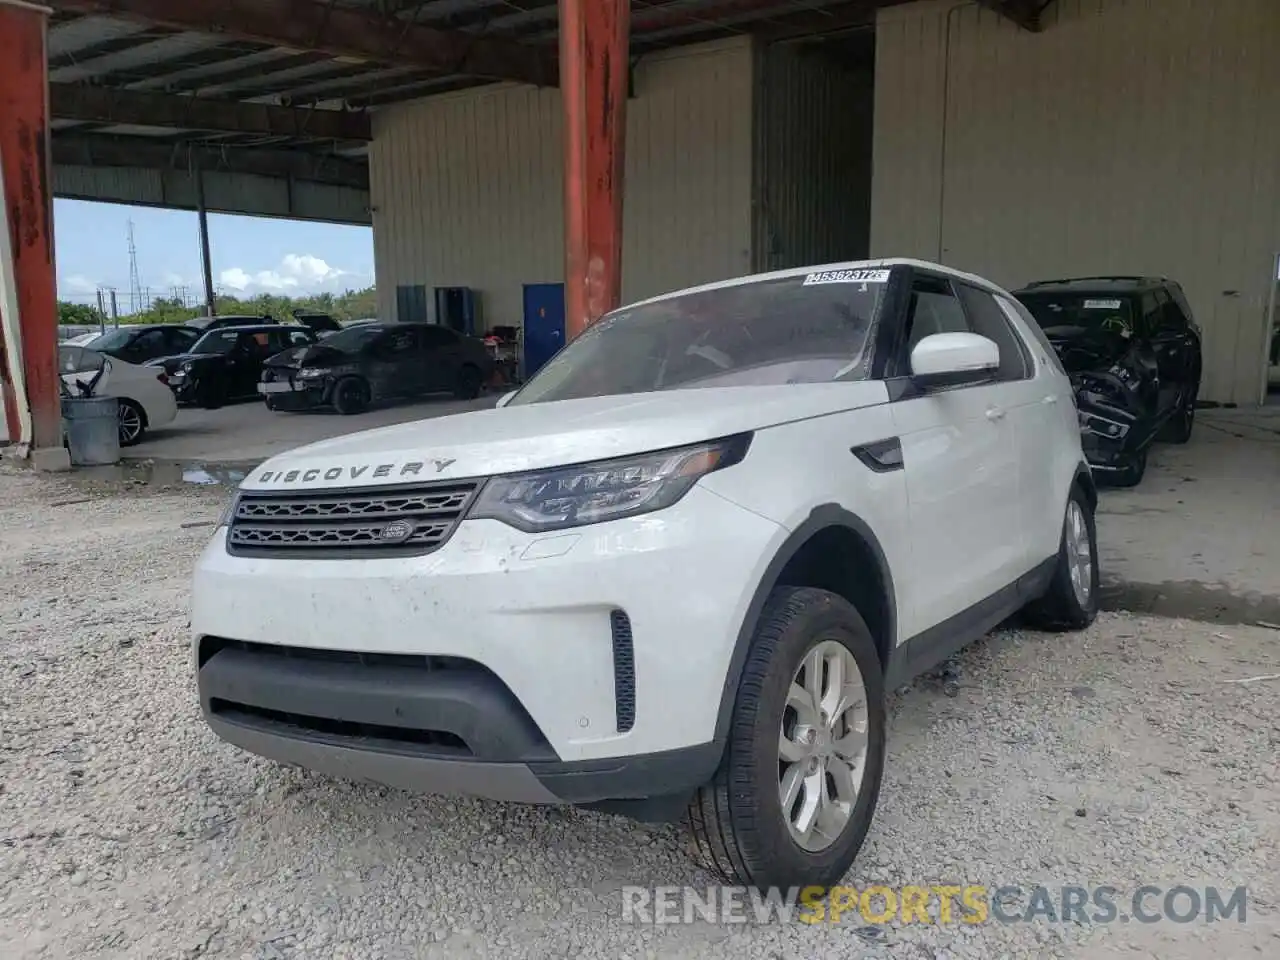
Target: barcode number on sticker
{"type": "Point", "coordinates": [1102, 304]}
{"type": "Point", "coordinates": [847, 276]}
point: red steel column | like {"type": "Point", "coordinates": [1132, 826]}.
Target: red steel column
{"type": "Point", "coordinates": [28, 202]}
{"type": "Point", "coordinates": [594, 37]}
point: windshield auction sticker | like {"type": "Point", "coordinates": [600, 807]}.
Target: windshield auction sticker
{"type": "Point", "coordinates": [847, 276]}
{"type": "Point", "coordinates": [1102, 304]}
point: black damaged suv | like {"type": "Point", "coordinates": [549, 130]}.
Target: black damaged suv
{"type": "Point", "coordinates": [1133, 352]}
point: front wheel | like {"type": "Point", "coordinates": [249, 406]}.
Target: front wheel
{"type": "Point", "coordinates": [470, 383]}
{"type": "Point", "coordinates": [351, 396]}
{"type": "Point", "coordinates": [796, 790]}
{"type": "Point", "coordinates": [1071, 602]}
{"type": "Point", "coordinates": [1180, 425]}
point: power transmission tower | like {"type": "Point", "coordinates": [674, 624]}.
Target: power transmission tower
{"type": "Point", "coordinates": [135, 284]}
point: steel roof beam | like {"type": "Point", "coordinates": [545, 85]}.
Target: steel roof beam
{"type": "Point", "coordinates": [71, 101]}
{"type": "Point", "coordinates": [1025, 13]}
{"type": "Point", "coordinates": [72, 149]}
{"type": "Point", "coordinates": [340, 32]}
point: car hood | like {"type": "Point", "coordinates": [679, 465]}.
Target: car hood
{"type": "Point", "coordinates": [512, 439]}
{"type": "Point", "coordinates": [314, 354]}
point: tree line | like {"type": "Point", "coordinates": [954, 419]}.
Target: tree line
{"type": "Point", "coordinates": [352, 305]}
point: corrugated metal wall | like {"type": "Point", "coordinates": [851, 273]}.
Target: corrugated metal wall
{"type": "Point", "coordinates": [813, 143]}
{"type": "Point", "coordinates": [1128, 136]}
{"type": "Point", "coordinates": [240, 193]}
{"type": "Point", "coordinates": [467, 188]}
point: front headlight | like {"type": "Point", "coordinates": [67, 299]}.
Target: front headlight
{"type": "Point", "coordinates": [310, 373]}
{"type": "Point", "coordinates": [186, 367]}
{"type": "Point", "coordinates": [605, 490]}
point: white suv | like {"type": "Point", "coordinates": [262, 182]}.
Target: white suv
{"type": "Point", "coordinates": [677, 570]}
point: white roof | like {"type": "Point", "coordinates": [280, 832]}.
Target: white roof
{"type": "Point", "coordinates": [825, 267]}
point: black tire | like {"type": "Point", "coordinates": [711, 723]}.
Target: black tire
{"type": "Point", "coordinates": [736, 821]}
{"type": "Point", "coordinates": [351, 396]}
{"type": "Point", "coordinates": [1180, 425]}
{"type": "Point", "coordinates": [133, 422]}
{"type": "Point", "coordinates": [210, 395]}
{"type": "Point", "coordinates": [470, 383]}
{"type": "Point", "coordinates": [1061, 607]}
{"type": "Point", "coordinates": [1132, 473]}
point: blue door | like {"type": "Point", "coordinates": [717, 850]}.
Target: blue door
{"type": "Point", "coordinates": [543, 324]}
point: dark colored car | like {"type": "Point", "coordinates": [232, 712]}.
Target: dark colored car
{"type": "Point", "coordinates": [225, 363]}
{"type": "Point", "coordinates": [363, 364]}
{"type": "Point", "coordinates": [321, 323]}
{"type": "Point", "coordinates": [143, 343]}
{"type": "Point", "coordinates": [205, 324]}
{"type": "Point", "coordinates": [1133, 352]}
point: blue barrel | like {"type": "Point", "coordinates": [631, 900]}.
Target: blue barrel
{"type": "Point", "coordinates": [93, 430]}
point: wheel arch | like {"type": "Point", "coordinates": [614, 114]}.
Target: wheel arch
{"type": "Point", "coordinates": [821, 552]}
{"type": "Point", "coordinates": [1084, 480]}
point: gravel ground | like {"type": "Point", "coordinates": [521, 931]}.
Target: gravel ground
{"type": "Point", "coordinates": [1122, 756]}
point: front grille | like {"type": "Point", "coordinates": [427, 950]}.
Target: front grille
{"type": "Point", "coordinates": [387, 521]}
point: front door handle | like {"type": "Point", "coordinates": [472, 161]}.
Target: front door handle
{"type": "Point", "coordinates": [995, 413]}
{"type": "Point", "coordinates": [1051, 398]}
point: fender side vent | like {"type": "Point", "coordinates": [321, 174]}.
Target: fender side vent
{"type": "Point", "coordinates": [624, 670]}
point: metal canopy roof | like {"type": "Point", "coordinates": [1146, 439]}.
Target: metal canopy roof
{"type": "Point", "coordinates": [284, 87]}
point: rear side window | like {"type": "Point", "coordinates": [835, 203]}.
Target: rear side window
{"type": "Point", "coordinates": [1016, 311]}
{"type": "Point", "coordinates": [988, 321]}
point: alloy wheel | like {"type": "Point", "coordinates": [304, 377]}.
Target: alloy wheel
{"type": "Point", "coordinates": [130, 418]}
{"type": "Point", "coordinates": [1079, 553]}
{"type": "Point", "coordinates": [822, 745]}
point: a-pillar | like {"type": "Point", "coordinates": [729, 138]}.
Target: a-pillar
{"type": "Point", "coordinates": [28, 273]}
{"type": "Point", "coordinates": [594, 70]}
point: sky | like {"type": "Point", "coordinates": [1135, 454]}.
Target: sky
{"type": "Point", "coordinates": [250, 255]}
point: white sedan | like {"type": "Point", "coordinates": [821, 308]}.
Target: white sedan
{"type": "Point", "coordinates": [145, 398]}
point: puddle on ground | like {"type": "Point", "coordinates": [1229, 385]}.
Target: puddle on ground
{"type": "Point", "coordinates": [1191, 600]}
{"type": "Point", "coordinates": [168, 473]}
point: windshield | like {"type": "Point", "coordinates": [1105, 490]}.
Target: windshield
{"type": "Point", "coordinates": [797, 329]}
{"type": "Point", "coordinates": [352, 339]}
{"type": "Point", "coordinates": [113, 340]}
{"type": "Point", "coordinates": [1065, 316]}
{"type": "Point", "coordinates": [217, 341]}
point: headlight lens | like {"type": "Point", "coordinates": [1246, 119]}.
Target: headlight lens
{"type": "Point", "coordinates": [1092, 423]}
{"type": "Point", "coordinates": [310, 373]}
{"type": "Point", "coordinates": [186, 367]}
{"type": "Point", "coordinates": [604, 490]}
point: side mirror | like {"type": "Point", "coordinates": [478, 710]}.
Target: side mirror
{"type": "Point", "coordinates": [953, 359]}
{"type": "Point", "coordinates": [505, 399]}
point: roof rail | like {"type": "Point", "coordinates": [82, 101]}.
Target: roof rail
{"type": "Point", "coordinates": [1130, 277]}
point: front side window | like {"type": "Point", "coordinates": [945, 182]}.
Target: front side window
{"type": "Point", "coordinates": [217, 341]}
{"type": "Point", "coordinates": [799, 329]}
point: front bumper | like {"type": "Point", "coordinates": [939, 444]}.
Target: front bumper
{"type": "Point", "coordinates": [300, 395]}
{"type": "Point", "coordinates": [490, 666]}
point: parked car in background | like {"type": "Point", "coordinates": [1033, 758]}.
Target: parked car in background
{"type": "Point", "coordinates": [82, 339]}
{"type": "Point", "coordinates": [144, 342]}
{"type": "Point", "coordinates": [226, 363]}
{"type": "Point", "coordinates": [205, 324]}
{"type": "Point", "coordinates": [680, 570]}
{"type": "Point", "coordinates": [1133, 352]}
{"type": "Point", "coordinates": [371, 362]}
{"type": "Point", "coordinates": [321, 323]}
{"type": "Point", "coordinates": [145, 400]}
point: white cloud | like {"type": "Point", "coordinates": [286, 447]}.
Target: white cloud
{"type": "Point", "coordinates": [295, 274]}
{"type": "Point", "coordinates": [78, 283]}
